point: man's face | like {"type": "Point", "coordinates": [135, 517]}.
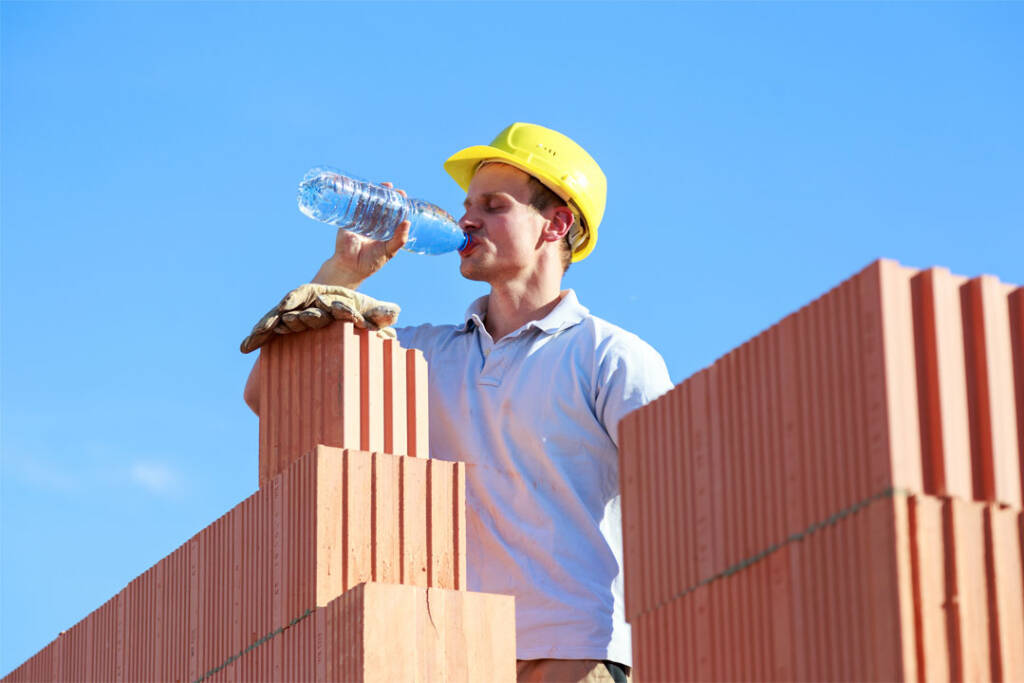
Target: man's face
{"type": "Point", "coordinates": [505, 228]}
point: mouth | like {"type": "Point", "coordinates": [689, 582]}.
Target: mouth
{"type": "Point", "coordinates": [470, 246]}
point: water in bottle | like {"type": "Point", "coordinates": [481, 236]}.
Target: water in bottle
{"type": "Point", "coordinates": [375, 211]}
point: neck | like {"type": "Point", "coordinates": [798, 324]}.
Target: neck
{"type": "Point", "coordinates": [512, 305]}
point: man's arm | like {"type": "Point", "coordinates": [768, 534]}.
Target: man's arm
{"type": "Point", "coordinates": [630, 375]}
{"type": "Point", "coordinates": [252, 388]}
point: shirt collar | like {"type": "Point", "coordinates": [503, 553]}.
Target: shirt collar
{"type": "Point", "coordinates": [475, 314]}
{"type": "Point", "coordinates": [567, 313]}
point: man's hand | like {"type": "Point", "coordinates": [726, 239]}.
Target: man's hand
{"type": "Point", "coordinates": [357, 258]}
{"type": "Point", "coordinates": [313, 306]}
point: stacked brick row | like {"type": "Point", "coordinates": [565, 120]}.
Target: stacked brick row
{"type": "Point", "coordinates": [389, 633]}
{"type": "Point", "coordinates": [373, 632]}
{"type": "Point", "coordinates": [346, 564]}
{"type": "Point", "coordinates": [839, 497]}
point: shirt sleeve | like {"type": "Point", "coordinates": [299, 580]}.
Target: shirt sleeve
{"type": "Point", "coordinates": [417, 337]}
{"type": "Point", "coordinates": [630, 374]}
{"type": "Point", "coordinates": [406, 336]}
{"type": "Point", "coordinates": [425, 337]}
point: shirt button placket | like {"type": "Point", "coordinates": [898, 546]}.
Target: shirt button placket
{"type": "Point", "coordinates": [494, 365]}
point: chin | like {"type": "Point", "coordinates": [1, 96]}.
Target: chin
{"type": "Point", "coordinates": [472, 269]}
{"type": "Point", "coordinates": [471, 273]}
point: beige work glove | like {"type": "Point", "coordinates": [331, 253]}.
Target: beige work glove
{"type": "Point", "coordinates": [313, 306]}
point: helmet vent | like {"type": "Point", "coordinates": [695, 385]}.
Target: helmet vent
{"type": "Point", "coordinates": [547, 149]}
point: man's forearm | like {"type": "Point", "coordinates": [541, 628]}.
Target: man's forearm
{"type": "Point", "coordinates": [335, 272]}
{"type": "Point", "coordinates": [252, 388]}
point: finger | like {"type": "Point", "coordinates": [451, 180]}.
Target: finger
{"type": "Point", "coordinates": [314, 318]}
{"type": "Point", "coordinates": [291, 320]}
{"type": "Point", "coordinates": [255, 341]}
{"type": "Point", "coordinates": [383, 315]}
{"type": "Point", "coordinates": [342, 312]}
{"type": "Point", "coordinates": [397, 240]}
{"type": "Point", "coordinates": [267, 322]}
{"type": "Point", "coordinates": [389, 184]}
{"type": "Point", "coordinates": [387, 333]}
{"type": "Point", "coordinates": [328, 302]}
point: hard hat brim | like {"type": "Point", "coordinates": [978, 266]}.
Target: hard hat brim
{"type": "Point", "coordinates": [462, 165]}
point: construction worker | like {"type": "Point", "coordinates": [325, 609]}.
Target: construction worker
{"type": "Point", "coordinates": [528, 390]}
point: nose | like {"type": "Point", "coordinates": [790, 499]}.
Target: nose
{"type": "Point", "coordinates": [468, 224]}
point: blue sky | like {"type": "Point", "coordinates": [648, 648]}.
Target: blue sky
{"type": "Point", "coordinates": [757, 154]}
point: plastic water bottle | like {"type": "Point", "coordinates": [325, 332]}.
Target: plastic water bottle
{"type": "Point", "coordinates": [375, 211]}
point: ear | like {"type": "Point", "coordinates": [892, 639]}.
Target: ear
{"type": "Point", "coordinates": [558, 225]}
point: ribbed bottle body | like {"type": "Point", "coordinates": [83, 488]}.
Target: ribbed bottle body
{"type": "Point", "coordinates": [375, 211]}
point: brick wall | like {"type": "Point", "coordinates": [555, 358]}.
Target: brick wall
{"type": "Point", "coordinates": [348, 563]}
{"type": "Point", "coordinates": [839, 497]}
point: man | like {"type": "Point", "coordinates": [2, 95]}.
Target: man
{"type": "Point", "coordinates": [529, 391]}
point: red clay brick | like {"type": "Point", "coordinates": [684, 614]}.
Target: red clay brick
{"type": "Point", "coordinates": [931, 602]}
{"type": "Point", "coordinates": [628, 467]}
{"type": "Point", "coordinates": [1016, 305]}
{"type": "Point", "coordinates": [679, 506]}
{"type": "Point", "coordinates": [667, 485]}
{"type": "Point", "coordinates": [700, 405]}
{"type": "Point", "coordinates": [780, 608]}
{"type": "Point", "coordinates": [895, 446]}
{"type": "Point", "coordinates": [990, 380]}
{"type": "Point", "coordinates": [966, 590]}
{"type": "Point", "coordinates": [395, 427]}
{"type": "Point", "coordinates": [814, 644]}
{"type": "Point", "coordinates": [942, 389]}
{"type": "Point", "coordinates": [649, 531]}
{"type": "Point", "coordinates": [417, 424]}
{"type": "Point", "coordinates": [371, 393]}
{"type": "Point", "coordinates": [414, 530]}
{"type": "Point", "coordinates": [717, 540]}
{"type": "Point", "coordinates": [1005, 593]}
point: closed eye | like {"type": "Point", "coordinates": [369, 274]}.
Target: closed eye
{"type": "Point", "coordinates": [491, 201]}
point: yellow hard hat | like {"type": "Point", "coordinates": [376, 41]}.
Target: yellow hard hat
{"type": "Point", "coordinates": [553, 159]}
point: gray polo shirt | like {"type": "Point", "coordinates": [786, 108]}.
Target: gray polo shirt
{"type": "Point", "coordinates": [535, 417]}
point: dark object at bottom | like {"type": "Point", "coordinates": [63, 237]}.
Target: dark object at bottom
{"type": "Point", "coordinates": [619, 673]}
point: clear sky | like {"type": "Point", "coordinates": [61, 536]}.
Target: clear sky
{"type": "Point", "coordinates": [757, 154]}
